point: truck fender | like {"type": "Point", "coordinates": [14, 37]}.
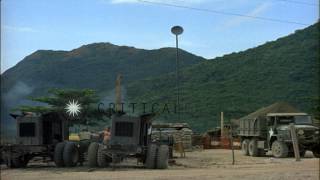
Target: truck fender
{"type": "Point", "coordinates": [272, 139]}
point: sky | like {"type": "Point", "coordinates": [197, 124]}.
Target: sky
{"type": "Point", "coordinates": [27, 26]}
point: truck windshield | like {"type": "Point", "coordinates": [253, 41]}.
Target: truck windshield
{"type": "Point", "coordinates": [285, 120]}
{"type": "Point", "coordinates": [302, 120]}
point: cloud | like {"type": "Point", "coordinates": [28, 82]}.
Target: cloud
{"type": "Point", "coordinates": [253, 13]}
{"type": "Point", "coordinates": [19, 29]}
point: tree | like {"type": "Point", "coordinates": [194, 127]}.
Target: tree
{"type": "Point", "coordinates": [58, 100]}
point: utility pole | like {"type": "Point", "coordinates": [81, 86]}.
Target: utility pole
{"type": "Point", "coordinates": [177, 30]}
{"type": "Point", "coordinates": [118, 107]}
{"type": "Point", "coordinates": [222, 124]}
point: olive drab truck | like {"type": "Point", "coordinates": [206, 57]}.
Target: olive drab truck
{"type": "Point", "coordinates": [130, 138]}
{"type": "Point", "coordinates": [270, 131]}
{"type": "Point", "coordinates": [45, 136]}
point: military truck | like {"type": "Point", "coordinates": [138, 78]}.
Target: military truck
{"type": "Point", "coordinates": [130, 137]}
{"type": "Point", "coordinates": [43, 136]}
{"type": "Point", "coordinates": [271, 132]}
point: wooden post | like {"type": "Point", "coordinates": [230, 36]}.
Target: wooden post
{"type": "Point", "coordinates": [231, 144]}
{"type": "Point", "coordinates": [294, 141]}
{"type": "Point", "coordinates": [222, 125]}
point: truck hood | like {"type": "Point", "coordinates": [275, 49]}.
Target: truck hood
{"type": "Point", "coordinates": [298, 126]}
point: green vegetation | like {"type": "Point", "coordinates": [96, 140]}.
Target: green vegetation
{"type": "Point", "coordinates": [239, 83]}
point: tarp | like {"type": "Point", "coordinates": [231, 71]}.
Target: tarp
{"type": "Point", "coordinates": [278, 107]}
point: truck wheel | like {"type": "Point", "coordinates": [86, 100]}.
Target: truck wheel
{"type": "Point", "coordinates": [253, 148]}
{"type": "Point", "coordinates": [162, 157]}
{"type": "Point", "coordinates": [170, 152]}
{"type": "Point", "coordinates": [279, 149]}
{"type": "Point", "coordinates": [92, 154]}
{"type": "Point", "coordinates": [58, 154]}
{"type": "Point", "coordinates": [9, 165]}
{"type": "Point", "coordinates": [18, 162]}
{"type": "Point", "coordinates": [261, 152]}
{"type": "Point", "coordinates": [244, 147]}
{"type": "Point", "coordinates": [151, 156]}
{"type": "Point", "coordinates": [103, 160]}
{"type": "Point", "coordinates": [70, 154]}
{"type": "Point", "coordinates": [316, 152]}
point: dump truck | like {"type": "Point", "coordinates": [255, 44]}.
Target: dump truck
{"type": "Point", "coordinates": [45, 136]}
{"type": "Point", "coordinates": [130, 138]}
{"type": "Point", "coordinates": [271, 132]}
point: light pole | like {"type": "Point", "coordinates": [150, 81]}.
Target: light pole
{"type": "Point", "coordinates": [177, 30]}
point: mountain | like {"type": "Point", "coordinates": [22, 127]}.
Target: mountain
{"type": "Point", "coordinates": [93, 66]}
{"type": "Point", "coordinates": [239, 83]}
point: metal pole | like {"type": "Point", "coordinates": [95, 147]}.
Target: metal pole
{"type": "Point", "coordinates": [177, 30]}
{"type": "Point", "coordinates": [177, 77]}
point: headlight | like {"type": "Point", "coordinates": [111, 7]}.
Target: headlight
{"type": "Point", "coordinates": [316, 132]}
{"type": "Point", "coordinates": [300, 132]}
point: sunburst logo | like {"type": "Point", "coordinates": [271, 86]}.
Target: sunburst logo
{"type": "Point", "coordinates": [73, 108]}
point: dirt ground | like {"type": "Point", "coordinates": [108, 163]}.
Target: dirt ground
{"type": "Point", "coordinates": [198, 165]}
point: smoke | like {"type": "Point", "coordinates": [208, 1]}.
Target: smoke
{"type": "Point", "coordinates": [110, 96]}
{"type": "Point", "coordinates": [15, 97]}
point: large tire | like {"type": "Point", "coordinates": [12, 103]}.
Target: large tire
{"type": "Point", "coordinates": [279, 149]}
{"type": "Point", "coordinates": [58, 154]}
{"type": "Point", "coordinates": [9, 165]}
{"type": "Point", "coordinates": [19, 162]}
{"type": "Point", "coordinates": [103, 160]}
{"type": "Point", "coordinates": [316, 152]}
{"type": "Point", "coordinates": [70, 154]}
{"type": "Point", "coordinates": [92, 154]}
{"type": "Point", "coordinates": [162, 157]}
{"type": "Point", "coordinates": [151, 156]}
{"type": "Point", "coordinates": [253, 148]}
{"type": "Point", "coordinates": [244, 147]}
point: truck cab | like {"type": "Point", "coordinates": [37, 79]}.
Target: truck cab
{"type": "Point", "coordinates": [278, 130]}
{"type": "Point", "coordinates": [130, 138]}
{"type": "Point", "coordinates": [43, 135]}
{"type": "Point", "coordinates": [36, 135]}
{"type": "Point", "coordinates": [47, 129]}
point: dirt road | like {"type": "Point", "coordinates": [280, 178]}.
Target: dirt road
{"type": "Point", "coordinates": [198, 165]}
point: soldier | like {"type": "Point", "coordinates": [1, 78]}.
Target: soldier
{"type": "Point", "coordinates": [106, 135]}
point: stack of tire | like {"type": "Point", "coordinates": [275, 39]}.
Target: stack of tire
{"type": "Point", "coordinates": [66, 154]}
{"type": "Point", "coordinates": [156, 158]}
{"type": "Point", "coordinates": [97, 157]}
